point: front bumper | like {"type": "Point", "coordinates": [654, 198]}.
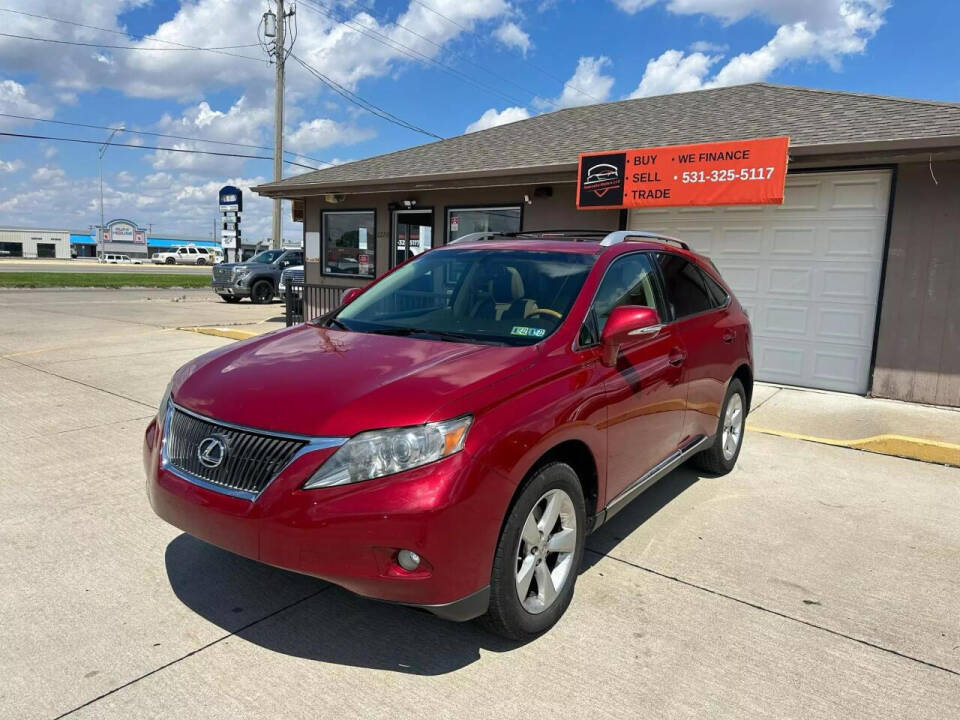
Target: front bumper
{"type": "Point", "coordinates": [448, 512]}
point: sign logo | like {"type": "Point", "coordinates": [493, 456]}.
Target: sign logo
{"type": "Point", "coordinates": [212, 451]}
{"type": "Point", "coordinates": [601, 180]}
{"type": "Point", "coordinates": [736, 172]}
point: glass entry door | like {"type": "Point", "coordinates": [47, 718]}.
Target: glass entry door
{"type": "Point", "coordinates": [412, 234]}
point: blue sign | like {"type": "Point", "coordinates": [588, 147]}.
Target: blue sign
{"type": "Point", "coordinates": [231, 197]}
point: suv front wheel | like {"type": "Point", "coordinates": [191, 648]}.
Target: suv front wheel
{"type": "Point", "coordinates": [538, 555]}
{"type": "Point", "coordinates": [262, 292]}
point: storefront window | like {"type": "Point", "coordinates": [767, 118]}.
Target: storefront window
{"type": "Point", "coordinates": [349, 243]}
{"type": "Point", "coordinates": [464, 221]}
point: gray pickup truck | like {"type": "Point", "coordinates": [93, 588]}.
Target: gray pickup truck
{"type": "Point", "coordinates": [257, 278]}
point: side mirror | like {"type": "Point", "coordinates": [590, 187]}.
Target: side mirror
{"type": "Point", "coordinates": [349, 295]}
{"type": "Point", "coordinates": [627, 323]}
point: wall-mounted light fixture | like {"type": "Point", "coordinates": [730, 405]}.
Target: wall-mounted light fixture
{"type": "Point", "coordinates": [408, 204]}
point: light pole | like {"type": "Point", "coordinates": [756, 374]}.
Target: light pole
{"type": "Point", "coordinates": [100, 153]}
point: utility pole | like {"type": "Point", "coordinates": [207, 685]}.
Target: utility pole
{"type": "Point", "coordinates": [275, 28]}
{"type": "Point", "coordinates": [278, 126]}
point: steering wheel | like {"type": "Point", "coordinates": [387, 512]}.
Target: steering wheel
{"type": "Point", "coordinates": [546, 311]}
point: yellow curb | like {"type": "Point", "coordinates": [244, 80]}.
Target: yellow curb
{"type": "Point", "coordinates": [230, 333]}
{"type": "Point", "coordinates": [913, 448]}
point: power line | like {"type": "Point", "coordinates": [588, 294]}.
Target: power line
{"type": "Point", "coordinates": [361, 102]}
{"type": "Point", "coordinates": [485, 69]}
{"type": "Point", "coordinates": [150, 147]}
{"type": "Point", "coordinates": [128, 35]}
{"type": "Point", "coordinates": [410, 52]}
{"type": "Point", "coordinates": [163, 135]}
{"type": "Point", "coordinates": [104, 46]}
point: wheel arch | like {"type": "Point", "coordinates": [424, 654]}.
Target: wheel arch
{"type": "Point", "coordinates": [745, 375]}
{"type": "Point", "coordinates": [578, 455]}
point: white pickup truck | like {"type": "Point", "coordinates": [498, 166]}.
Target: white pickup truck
{"type": "Point", "coordinates": [187, 255]}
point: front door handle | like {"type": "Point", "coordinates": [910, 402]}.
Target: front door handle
{"type": "Point", "coordinates": [676, 357]}
{"type": "Point", "coordinates": [729, 336]}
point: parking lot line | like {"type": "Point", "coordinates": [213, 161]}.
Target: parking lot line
{"type": "Point", "coordinates": [912, 448]}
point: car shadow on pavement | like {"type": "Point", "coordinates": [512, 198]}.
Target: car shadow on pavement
{"type": "Point", "coordinates": [305, 617]}
{"type": "Point", "coordinates": [649, 503]}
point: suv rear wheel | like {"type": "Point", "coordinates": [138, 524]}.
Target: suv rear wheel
{"type": "Point", "coordinates": [262, 292]}
{"type": "Point", "coordinates": [170, 261]}
{"type": "Point", "coordinates": [538, 555]}
{"type": "Point", "coordinates": [722, 456]}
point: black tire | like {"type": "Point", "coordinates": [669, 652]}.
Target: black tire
{"type": "Point", "coordinates": [261, 292]}
{"type": "Point", "coordinates": [170, 261]}
{"type": "Point", "coordinates": [201, 261]}
{"type": "Point", "coordinates": [506, 616]}
{"type": "Point", "coordinates": [715, 460]}
{"type": "Point", "coordinates": [230, 298]}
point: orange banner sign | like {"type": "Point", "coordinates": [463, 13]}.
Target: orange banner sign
{"type": "Point", "coordinates": [738, 172]}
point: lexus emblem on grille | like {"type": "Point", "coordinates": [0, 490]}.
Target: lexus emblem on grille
{"type": "Point", "coordinates": [211, 451]}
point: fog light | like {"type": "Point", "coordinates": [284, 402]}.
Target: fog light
{"type": "Point", "coordinates": [408, 560]}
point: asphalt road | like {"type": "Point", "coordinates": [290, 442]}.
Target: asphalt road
{"type": "Point", "coordinates": [812, 582]}
{"type": "Point", "coordinates": [87, 266]}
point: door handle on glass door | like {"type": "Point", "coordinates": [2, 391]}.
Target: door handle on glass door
{"type": "Point", "coordinates": [729, 336]}
{"type": "Point", "coordinates": [676, 356]}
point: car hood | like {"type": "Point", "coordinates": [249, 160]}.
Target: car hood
{"type": "Point", "coordinates": [231, 266]}
{"type": "Point", "coordinates": [311, 380]}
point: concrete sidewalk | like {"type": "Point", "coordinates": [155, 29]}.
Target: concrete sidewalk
{"type": "Point", "coordinates": [888, 427]}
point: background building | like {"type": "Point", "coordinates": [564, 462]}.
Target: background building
{"type": "Point", "coordinates": [34, 242]}
{"type": "Point", "coordinates": [853, 284]}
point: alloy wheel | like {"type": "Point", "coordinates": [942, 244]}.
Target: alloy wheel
{"type": "Point", "coordinates": [546, 551]}
{"type": "Point", "coordinates": [732, 426]}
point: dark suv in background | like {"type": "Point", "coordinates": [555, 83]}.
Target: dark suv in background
{"type": "Point", "coordinates": [258, 278]}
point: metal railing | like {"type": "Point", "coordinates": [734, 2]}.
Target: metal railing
{"type": "Point", "coordinates": [305, 301]}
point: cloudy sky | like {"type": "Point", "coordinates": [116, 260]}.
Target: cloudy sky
{"type": "Point", "coordinates": [442, 66]}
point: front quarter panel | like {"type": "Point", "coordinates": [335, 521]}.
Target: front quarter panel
{"type": "Point", "coordinates": [521, 418]}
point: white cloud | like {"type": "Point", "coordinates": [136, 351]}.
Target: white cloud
{"type": "Point", "coordinates": [241, 123]}
{"type": "Point", "coordinates": [17, 99]}
{"type": "Point", "coordinates": [587, 85]}
{"type": "Point", "coordinates": [324, 132]}
{"type": "Point", "coordinates": [674, 72]}
{"type": "Point", "coordinates": [634, 6]}
{"type": "Point", "coordinates": [511, 35]}
{"type": "Point", "coordinates": [812, 30]}
{"type": "Point", "coordinates": [48, 174]}
{"type": "Point", "coordinates": [705, 46]}
{"type": "Point", "coordinates": [11, 166]}
{"type": "Point", "coordinates": [492, 118]}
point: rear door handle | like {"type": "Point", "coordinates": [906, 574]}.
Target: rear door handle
{"type": "Point", "coordinates": [676, 357]}
{"type": "Point", "coordinates": [729, 336]}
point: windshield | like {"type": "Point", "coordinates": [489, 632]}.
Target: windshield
{"type": "Point", "coordinates": [500, 296]}
{"type": "Point", "coordinates": [266, 257]}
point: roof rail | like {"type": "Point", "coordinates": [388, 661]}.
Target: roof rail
{"type": "Point", "coordinates": [470, 237]}
{"type": "Point", "coordinates": [608, 238]}
{"type": "Point", "coordinates": [620, 236]}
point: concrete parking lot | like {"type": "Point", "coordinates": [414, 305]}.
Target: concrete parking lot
{"type": "Point", "coordinates": [812, 582]}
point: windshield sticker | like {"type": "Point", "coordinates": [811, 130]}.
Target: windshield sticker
{"type": "Point", "coordinates": [528, 331]}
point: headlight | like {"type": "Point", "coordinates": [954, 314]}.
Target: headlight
{"type": "Point", "coordinates": [377, 453]}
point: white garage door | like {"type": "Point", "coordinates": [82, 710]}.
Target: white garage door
{"type": "Point", "coordinates": [808, 272]}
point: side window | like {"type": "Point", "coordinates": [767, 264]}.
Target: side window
{"type": "Point", "coordinates": [630, 280]}
{"type": "Point", "coordinates": [717, 292]}
{"type": "Point", "coordinates": [686, 288]}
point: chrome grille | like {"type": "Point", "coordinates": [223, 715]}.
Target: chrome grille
{"type": "Point", "coordinates": [221, 274]}
{"type": "Point", "coordinates": [251, 459]}
{"type": "Point", "coordinates": [293, 276]}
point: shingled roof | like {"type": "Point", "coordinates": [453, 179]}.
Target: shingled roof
{"type": "Point", "coordinates": [815, 120]}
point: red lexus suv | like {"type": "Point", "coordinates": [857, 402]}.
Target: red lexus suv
{"type": "Point", "coordinates": [450, 434]}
